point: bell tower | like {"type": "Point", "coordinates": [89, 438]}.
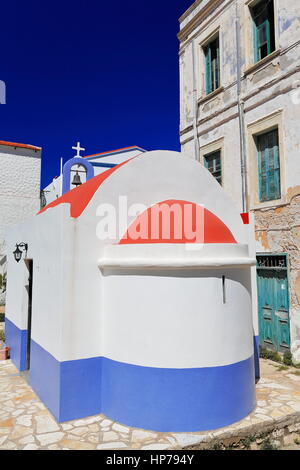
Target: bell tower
{"type": "Point", "coordinates": [80, 162]}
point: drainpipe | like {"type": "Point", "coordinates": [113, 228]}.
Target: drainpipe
{"type": "Point", "coordinates": [241, 113]}
{"type": "Point", "coordinates": [243, 157]}
{"type": "Point", "coordinates": [195, 104]}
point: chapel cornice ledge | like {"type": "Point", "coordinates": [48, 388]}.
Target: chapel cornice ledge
{"type": "Point", "coordinates": [189, 10]}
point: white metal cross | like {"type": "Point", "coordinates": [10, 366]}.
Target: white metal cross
{"type": "Point", "coordinates": [78, 148]}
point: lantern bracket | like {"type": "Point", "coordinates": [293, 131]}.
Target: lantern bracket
{"type": "Point", "coordinates": [20, 249]}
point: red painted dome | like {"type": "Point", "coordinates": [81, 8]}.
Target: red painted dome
{"type": "Point", "coordinates": [175, 221]}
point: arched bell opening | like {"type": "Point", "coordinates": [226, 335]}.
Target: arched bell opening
{"type": "Point", "coordinates": [76, 172]}
{"type": "Point", "coordinates": [78, 176]}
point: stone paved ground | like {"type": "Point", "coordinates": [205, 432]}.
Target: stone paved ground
{"type": "Point", "coordinates": [25, 423]}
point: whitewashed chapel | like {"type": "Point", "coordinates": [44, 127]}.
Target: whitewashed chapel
{"type": "Point", "coordinates": [132, 325]}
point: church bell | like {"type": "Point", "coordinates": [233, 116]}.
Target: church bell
{"type": "Point", "coordinates": [76, 180]}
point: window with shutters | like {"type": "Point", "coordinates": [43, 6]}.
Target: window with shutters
{"type": "Point", "coordinates": [213, 163]}
{"type": "Point", "coordinates": [263, 29]}
{"type": "Point", "coordinates": [268, 166]}
{"type": "Point", "coordinates": [212, 65]}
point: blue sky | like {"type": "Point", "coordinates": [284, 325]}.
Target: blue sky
{"type": "Point", "coordinates": [104, 73]}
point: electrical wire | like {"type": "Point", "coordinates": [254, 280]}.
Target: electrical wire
{"type": "Point", "coordinates": [263, 9]}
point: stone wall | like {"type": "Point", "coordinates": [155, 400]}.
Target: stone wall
{"type": "Point", "coordinates": [278, 231]}
{"type": "Point", "coordinates": [284, 436]}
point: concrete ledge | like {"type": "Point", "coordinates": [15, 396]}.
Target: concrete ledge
{"type": "Point", "coordinates": [262, 62]}
{"type": "Point", "coordinates": [176, 256]}
{"type": "Point", "coordinates": [280, 431]}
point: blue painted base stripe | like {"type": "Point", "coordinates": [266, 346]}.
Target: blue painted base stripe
{"type": "Point", "coordinates": [44, 377]}
{"type": "Point", "coordinates": [80, 388]}
{"type": "Point", "coordinates": [174, 400]}
{"type": "Point", "coordinates": [256, 357]}
{"type": "Point", "coordinates": [71, 390]}
{"type": "Point", "coordinates": [16, 339]}
{"type": "Point", "coordinates": [178, 400]}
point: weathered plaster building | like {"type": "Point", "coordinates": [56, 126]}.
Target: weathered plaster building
{"type": "Point", "coordinates": [20, 166]}
{"type": "Point", "coordinates": [240, 114]}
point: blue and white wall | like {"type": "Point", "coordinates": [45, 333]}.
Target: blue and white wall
{"type": "Point", "coordinates": [171, 347]}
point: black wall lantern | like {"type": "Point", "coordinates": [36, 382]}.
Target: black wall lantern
{"type": "Point", "coordinates": [20, 248]}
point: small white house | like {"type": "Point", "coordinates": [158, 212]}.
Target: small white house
{"type": "Point", "coordinates": [132, 298]}
{"type": "Point", "coordinates": [20, 172]}
{"type": "Point", "coordinates": [239, 116]}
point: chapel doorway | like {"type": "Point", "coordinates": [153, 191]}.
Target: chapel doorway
{"type": "Point", "coordinates": [29, 264]}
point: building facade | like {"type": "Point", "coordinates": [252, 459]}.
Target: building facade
{"type": "Point", "coordinates": [240, 113]}
{"type": "Point", "coordinates": [20, 174]}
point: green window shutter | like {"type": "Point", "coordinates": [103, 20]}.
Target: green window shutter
{"type": "Point", "coordinates": [255, 38]}
{"type": "Point", "coordinates": [212, 66]}
{"type": "Point", "coordinates": [263, 30]}
{"type": "Point", "coordinates": [268, 35]}
{"type": "Point", "coordinates": [274, 166]}
{"type": "Point", "coordinates": [218, 65]}
{"type": "Point", "coordinates": [269, 166]}
{"type": "Point", "coordinates": [208, 69]}
{"type": "Point", "coordinates": [213, 163]}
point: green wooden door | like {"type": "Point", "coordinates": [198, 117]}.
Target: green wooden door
{"type": "Point", "coordinates": [273, 306]}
